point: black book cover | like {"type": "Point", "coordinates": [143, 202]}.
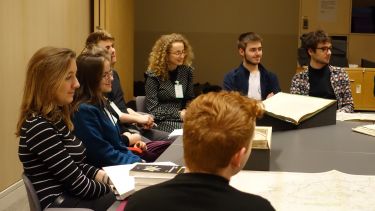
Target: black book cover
{"type": "Point", "coordinates": [153, 169]}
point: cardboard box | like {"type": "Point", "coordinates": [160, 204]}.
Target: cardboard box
{"type": "Point", "coordinates": [259, 160]}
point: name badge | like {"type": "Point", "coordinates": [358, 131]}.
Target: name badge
{"type": "Point", "coordinates": [178, 90]}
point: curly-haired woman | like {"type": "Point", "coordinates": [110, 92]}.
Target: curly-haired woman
{"type": "Point", "coordinates": [169, 80]}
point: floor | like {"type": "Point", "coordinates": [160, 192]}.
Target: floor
{"type": "Point", "coordinates": [15, 199]}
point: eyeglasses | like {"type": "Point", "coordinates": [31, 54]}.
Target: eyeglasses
{"type": "Point", "coordinates": [108, 75]}
{"type": "Point", "coordinates": [178, 53]}
{"type": "Point", "coordinates": [325, 49]}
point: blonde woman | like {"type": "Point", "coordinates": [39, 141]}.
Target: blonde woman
{"type": "Point", "coordinates": [52, 157]}
{"type": "Point", "coordinates": [169, 81]}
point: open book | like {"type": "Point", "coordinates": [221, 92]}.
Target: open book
{"type": "Point", "coordinates": [262, 138]}
{"type": "Point", "coordinates": [295, 108]}
{"type": "Point", "coordinates": [365, 129]}
{"type": "Point", "coordinates": [123, 184]}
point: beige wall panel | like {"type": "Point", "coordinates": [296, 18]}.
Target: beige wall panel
{"type": "Point", "coordinates": [28, 26]}
{"type": "Point", "coordinates": [11, 77]}
{"type": "Point", "coordinates": [119, 21]}
{"type": "Point", "coordinates": [361, 46]}
{"type": "Point", "coordinates": [212, 27]}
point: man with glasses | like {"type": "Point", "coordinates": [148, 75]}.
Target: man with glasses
{"type": "Point", "coordinates": [251, 78]}
{"type": "Point", "coordinates": [132, 121]}
{"type": "Point", "coordinates": [321, 79]}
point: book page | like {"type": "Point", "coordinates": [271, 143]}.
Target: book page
{"type": "Point", "coordinates": [289, 191]}
{"type": "Point", "coordinates": [176, 132]}
{"type": "Point", "coordinates": [371, 127]}
{"type": "Point", "coordinates": [262, 137]}
{"type": "Point", "coordinates": [343, 116]}
{"type": "Point", "coordinates": [295, 108]}
{"type": "Point", "coordinates": [119, 175]}
{"type": "Point", "coordinates": [365, 129]}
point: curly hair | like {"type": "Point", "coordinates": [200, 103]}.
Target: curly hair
{"type": "Point", "coordinates": [158, 56]}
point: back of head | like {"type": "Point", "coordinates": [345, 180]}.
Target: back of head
{"type": "Point", "coordinates": [247, 37]}
{"type": "Point", "coordinates": [97, 36]}
{"type": "Point", "coordinates": [90, 66]}
{"type": "Point", "coordinates": [312, 39]}
{"type": "Point", "coordinates": [216, 126]}
{"type": "Point", "coordinates": [158, 56]}
{"type": "Point", "coordinates": [45, 73]}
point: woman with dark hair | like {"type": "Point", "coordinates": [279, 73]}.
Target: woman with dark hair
{"type": "Point", "coordinates": [96, 122]}
{"type": "Point", "coordinates": [52, 157]}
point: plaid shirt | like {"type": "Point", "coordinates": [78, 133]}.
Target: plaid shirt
{"type": "Point", "coordinates": [340, 84]}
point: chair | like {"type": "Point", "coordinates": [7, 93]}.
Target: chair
{"type": "Point", "coordinates": [140, 103]}
{"type": "Point", "coordinates": [367, 63]}
{"type": "Point", "coordinates": [34, 201]}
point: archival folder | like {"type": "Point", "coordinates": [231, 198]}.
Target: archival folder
{"type": "Point", "coordinates": [261, 150]}
{"type": "Point", "coordinates": [286, 111]}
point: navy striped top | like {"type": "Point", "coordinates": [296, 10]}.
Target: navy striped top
{"type": "Point", "coordinates": [54, 160]}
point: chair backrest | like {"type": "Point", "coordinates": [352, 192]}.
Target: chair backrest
{"type": "Point", "coordinates": [367, 63]}
{"type": "Point", "coordinates": [34, 202]}
{"type": "Point", "coordinates": [31, 194]}
{"type": "Point", "coordinates": [140, 103]}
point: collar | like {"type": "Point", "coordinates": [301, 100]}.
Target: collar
{"type": "Point", "coordinates": [207, 177]}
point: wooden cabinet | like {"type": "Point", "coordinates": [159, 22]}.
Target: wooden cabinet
{"type": "Point", "coordinates": [334, 17]}
{"type": "Point", "coordinates": [331, 15]}
{"type": "Point", "coordinates": [361, 46]}
{"type": "Point", "coordinates": [362, 86]}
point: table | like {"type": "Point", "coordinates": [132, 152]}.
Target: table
{"type": "Point", "coordinates": [312, 150]}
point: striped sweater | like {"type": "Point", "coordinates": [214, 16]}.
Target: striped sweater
{"type": "Point", "coordinates": [54, 160]}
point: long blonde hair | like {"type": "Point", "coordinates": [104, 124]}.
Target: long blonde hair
{"type": "Point", "coordinates": [46, 71]}
{"type": "Point", "coordinates": [158, 56]}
